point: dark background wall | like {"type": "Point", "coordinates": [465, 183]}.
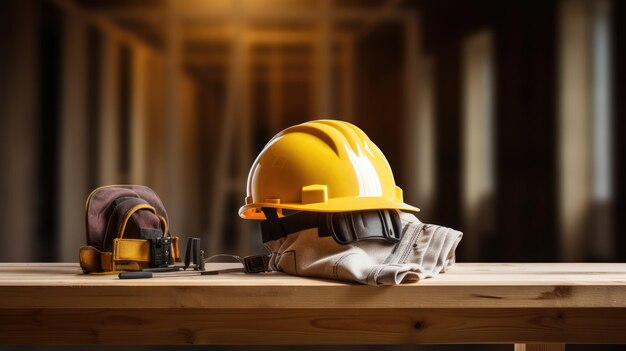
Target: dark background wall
{"type": "Point", "coordinates": [526, 128]}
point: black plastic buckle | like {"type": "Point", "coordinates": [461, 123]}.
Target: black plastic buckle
{"type": "Point", "coordinates": [160, 252]}
{"type": "Point", "coordinates": [194, 256]}
{"type": "Point", "coordinates": [256, 263]}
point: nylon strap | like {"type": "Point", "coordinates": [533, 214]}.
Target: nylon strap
{"type": "Point", "coordinates": [275, 228]}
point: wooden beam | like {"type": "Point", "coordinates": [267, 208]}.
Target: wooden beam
{"type": "Point", "coordinates": [388, 7]}
{"type": "Point", "coordinates": [281, 37]}
{"type": "Point", "coordinates": [215, 75]}
{"type": "Point", "coordinates": [522, 303]}
{"type": "Point", "coordinates": [138, 117]}
{"type": "Point", "coordinates": [275, 99]}
{"type": "Point", "coordinates": [258, 15]}
{"type": "Point", "coordinates": [73, 173]}
{"type": "Point", "coordinates": [109, 122]}
{"type": "Point", "coordinates": [223, 60]}
{"type": "Point", "coordinates": [103, 23]}
{"type": "Point", "coordinates": [173, 196]}
{"type": "Point", "coordinates": [539, 347]}
{"type": "Point", "coordinates": [19, 136]}
{"type": "Point", "coordinates": [155, 106]}
{"type": "Point", "coordinates": [421, 140]}
{"type": "Point", "coordinates": [244, 138]}
{"type": "Point", "coordinates": [204, 33]}
{"type": "Point", "coordinates": [306, 326]}
{"type": "Point", "coordinates": [483, 286]}
{"type": "Point", "coordinates": [346, 70]}
{"type": "Point", "coordinates": [602, 241]}
{"type": "Point", "coordinates": [478, 138]}
{"type": "Point", "coordinates": [253, 36]}
{"type": "Point", "coordinates": [232, 110]}
{"type": "Point", "coordinates": [573, 125]}
{"type": "Point", "coordinates": [323, 65]}
{"type": "Point", "coordinates": [408, 129]}
{"type": "Point", "coordinates": [289, 15]}
{"type": "Point", "coordinates": [189, 146]}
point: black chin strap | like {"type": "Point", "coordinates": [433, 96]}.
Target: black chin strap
{"type": "Point", "coordinates": [274, 228]}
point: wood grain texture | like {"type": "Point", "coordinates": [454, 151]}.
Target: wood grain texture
{"type": "Point", "coordinates": [465, 285]}
{"type": "Point", "coordinates": [539, 347]}
{"type": "Point", "coordinates": [472, 303]}
{"type": "Point", "coordinates": [305, 326]}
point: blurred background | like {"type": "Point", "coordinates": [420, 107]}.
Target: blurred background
{"type": "Point", "coordinates": [500, 119]}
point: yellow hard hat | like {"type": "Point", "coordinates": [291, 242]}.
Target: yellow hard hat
{"type": "Point", "coordinates": [321, 166]}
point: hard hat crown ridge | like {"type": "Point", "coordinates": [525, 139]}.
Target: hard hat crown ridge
{"type": "Point", "coordinates": [322, 166]}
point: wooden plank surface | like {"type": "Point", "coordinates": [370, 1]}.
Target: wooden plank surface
{"type": "Point", "coordinates": [539, 347]}
{"type": "Point", "coordinates": [468, 274]}
{"type": "Point", "coordinates": [472, 303]}
{"type": "Point", "coordinates": [468, 285]}
{"type": "Point", "coordinates": [306, 326]}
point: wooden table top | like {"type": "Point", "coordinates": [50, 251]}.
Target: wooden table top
{"type": "Point", "coordinates": [519, 303]}
{"type": "Point", "coordinates": [466, 285]}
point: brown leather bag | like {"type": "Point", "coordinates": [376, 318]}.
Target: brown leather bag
{"type": "Point", "coordinates": [127, 230]}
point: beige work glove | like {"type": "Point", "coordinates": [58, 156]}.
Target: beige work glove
{"type": "Point", "coordinates": [423, 251]}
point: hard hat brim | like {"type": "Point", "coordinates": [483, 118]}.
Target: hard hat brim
{"type": "Point", "coordinates": [252, 211]}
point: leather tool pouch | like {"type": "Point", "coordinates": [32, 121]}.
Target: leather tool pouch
{"type": "Point", "coordinates": [127, 230]}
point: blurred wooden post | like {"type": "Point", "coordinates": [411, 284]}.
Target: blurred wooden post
{"type": "Point", "coordinates": [223, 183]}
{"type": "Point", "coordinates": [602, 239]}
{"type": "Point", "coordinates": [173, 194]}
{"type": "Point", "coordinates": [109, 128]}
{"type": "Point", "coordinates": [347, 64]}
{"type": "Point", "coordinates": [244, 139]}
{"type": "Point", "coordinates": [324, 85]}
{"type": "Point", "coordinates": [408, 129]}
{"type": "Point", "coordinates": [18, 137]}
{"type": "Point", "coordinates": [138, 118]}
{"type": "Point", "coordinates": [478, 173]}
{"type": "Point", "coordinates": [421, 141]}
{"type": "Point", "coordinates": [190, 150]}
{"type": "Point", "coordinates": [275, 91]}
{"type": "Point", "coordinates": [73, 173]}
{"type": "Point", "coordinates": [585, 126]}
{"type": "Point", "coordinates": [574, 123]}
{"type": "Point", "coordinates": [155, 127]}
